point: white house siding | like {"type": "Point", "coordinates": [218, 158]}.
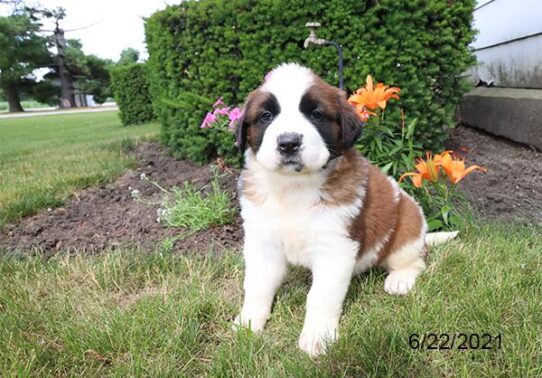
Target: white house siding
{"type": "Point", "coordinates": [509, 43]}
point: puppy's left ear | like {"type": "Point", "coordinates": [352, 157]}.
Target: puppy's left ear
{"type": "Point", "coordinates": [351, 123]}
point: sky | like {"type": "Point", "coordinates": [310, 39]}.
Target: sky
{"type": "Point", "coordinates": [113, 24]}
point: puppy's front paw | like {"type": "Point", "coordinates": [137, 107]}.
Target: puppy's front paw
{"type": "Point", "coordinates": [314, 340]}
{"type": "Point", "coordinates": [255, 323]}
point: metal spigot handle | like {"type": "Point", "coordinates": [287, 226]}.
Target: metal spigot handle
{"type": "Point", "coordinates": [321, 42]}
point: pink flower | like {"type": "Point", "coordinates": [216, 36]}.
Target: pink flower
{"type": "Point", "coordinates": [221, 111]}
{"type": "Point", "coordinates": [209, 119]}
{"type": "Point", "coordinates": [218, 103]}
{"type": "Point", "coordinates": [235, 115]}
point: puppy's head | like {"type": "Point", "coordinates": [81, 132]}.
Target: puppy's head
{"type": "Point", "coordinates": [296, 123]}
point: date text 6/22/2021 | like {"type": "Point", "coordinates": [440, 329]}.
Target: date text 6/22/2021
{"type": "Point", "coordinates": [455, 341]}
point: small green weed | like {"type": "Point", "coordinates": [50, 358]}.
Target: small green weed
{"type": "Point", "coordinates": [192, 208]}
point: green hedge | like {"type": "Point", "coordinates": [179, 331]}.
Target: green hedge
{"type": "Point", "coordinates": [131, 89]}
{"type": "Point", "coordinates": [200, 50]}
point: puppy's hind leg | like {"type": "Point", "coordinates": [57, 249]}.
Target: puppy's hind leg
{"type": "Point", "coordinates": [404, 265]}
{"type": "Point", "coordinates": [404, 259]}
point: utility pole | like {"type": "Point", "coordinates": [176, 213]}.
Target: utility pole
{"type": "Point", "coordinates": [67, 99]}
{"type": "Point", "coordinates": [67, 87]}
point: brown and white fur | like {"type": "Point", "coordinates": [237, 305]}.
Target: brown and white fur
{"type": "Point", "coordinates": [308, 198]}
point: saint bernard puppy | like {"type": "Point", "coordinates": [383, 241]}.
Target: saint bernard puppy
{"type": "Point", "coordinates": [309, 198]}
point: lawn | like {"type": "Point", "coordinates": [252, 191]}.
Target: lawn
{"type": "Point", "coordinates": [127, 313]}
{"type": "Point", "coordinates": [44, 159]}
{"type": "Point", "coordinates": [155, 313]}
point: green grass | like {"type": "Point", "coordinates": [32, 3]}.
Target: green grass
{"type": "Point", "coordinates": [129, 313]}
{"type": "Point", "coordinates": [45, 159]}
{"type": "Point", "coordinates": [188, 207]}
{"type": "Point", "coordinates": [155, 314]}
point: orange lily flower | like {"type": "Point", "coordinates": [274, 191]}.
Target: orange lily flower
{"type": "Point", "coordinates": [372, 97]}
{"type": "Point", "coordinates": [364, 114]}
{"type": "Point", "coordinates": [429, 169]}
{"type": "Point", "coordinates": [426, 169]}
{"type": "Point", "coordinates": [456, 171]}
{"type": "Point", "coordinates": [444, 158]}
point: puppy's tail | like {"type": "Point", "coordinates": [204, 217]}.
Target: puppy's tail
{"type": "Point", "coordinates": [436, 238]}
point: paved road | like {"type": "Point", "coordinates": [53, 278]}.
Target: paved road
{"type": "Point", "coordinates": [39, 113]}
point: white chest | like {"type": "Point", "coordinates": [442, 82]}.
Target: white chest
{"type": "Point", "coordinates": [301, 227]}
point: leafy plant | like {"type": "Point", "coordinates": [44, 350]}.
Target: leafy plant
{"type": "Point", "coordinates": [199, 50]}
{"type": "Point", "coordinates": [390, 147]}
{"type": "Point", "coordinates": [393, 149]}
{"type": "Point", "coordinates": [385, 143]}
{"type": "Point", "coordinates": [220, 124]}
{"type": "Point", "coordinates": [131, 88]}
{"type": "Point", "coordinates": [434, 183]}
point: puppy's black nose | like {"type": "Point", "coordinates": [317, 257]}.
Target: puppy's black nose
{"type": "Point", "coordinates": [289, 143]}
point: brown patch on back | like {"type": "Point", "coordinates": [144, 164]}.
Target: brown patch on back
{"type": "Point", "coordinates": [408, 228]}
{"type": "Point", "coordinates": [388, 216]}
{"type": "Point", "coordinates": [342, 186]}
{"type": "Point", "coordinates": [378, 215]}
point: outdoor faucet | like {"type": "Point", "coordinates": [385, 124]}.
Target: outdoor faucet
{"type": "Point", "coordinates": [312, 36]}
{"type": "Point", "coordinates": [313, 40]}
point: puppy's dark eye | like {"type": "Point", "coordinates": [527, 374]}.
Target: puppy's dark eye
{"type": "Point", "coordinates": [316, 115]}
{"type": "Point", "coordinates": [266, 116]}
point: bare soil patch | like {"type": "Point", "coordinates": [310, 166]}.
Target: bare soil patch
{"type": "Point", "coordinates": [512, 187]}
{"type": "Point", "coordinates": [108, 217]}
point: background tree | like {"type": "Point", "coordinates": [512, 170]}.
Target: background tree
{"type": "Point", "coordinates": [128, 56]}
{"type": "Point", "coordinates": [90, 72]}
{"type": "Point", "coordinates": [22, 51]}
{"type": "Point", "coordinates": [87, 74]}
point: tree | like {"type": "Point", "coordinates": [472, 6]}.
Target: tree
{"type": "Point", "coordinates": [128, 56]}
{"type": "Point", "coordinates": [90, 72]}
{"type": "Point", "coordinates": [22, 51]}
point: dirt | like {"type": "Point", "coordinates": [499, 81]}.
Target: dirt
{"type": "Point", "coordinates": [107, 217]}
{"type": "Point", "coordinates": [512, 187]}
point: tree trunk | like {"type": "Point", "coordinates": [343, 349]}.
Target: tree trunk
{"type": "Point", "coordinates": [12, 95]}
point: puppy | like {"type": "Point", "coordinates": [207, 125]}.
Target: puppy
{"type": "Point", "coordinates": [309, 198]}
